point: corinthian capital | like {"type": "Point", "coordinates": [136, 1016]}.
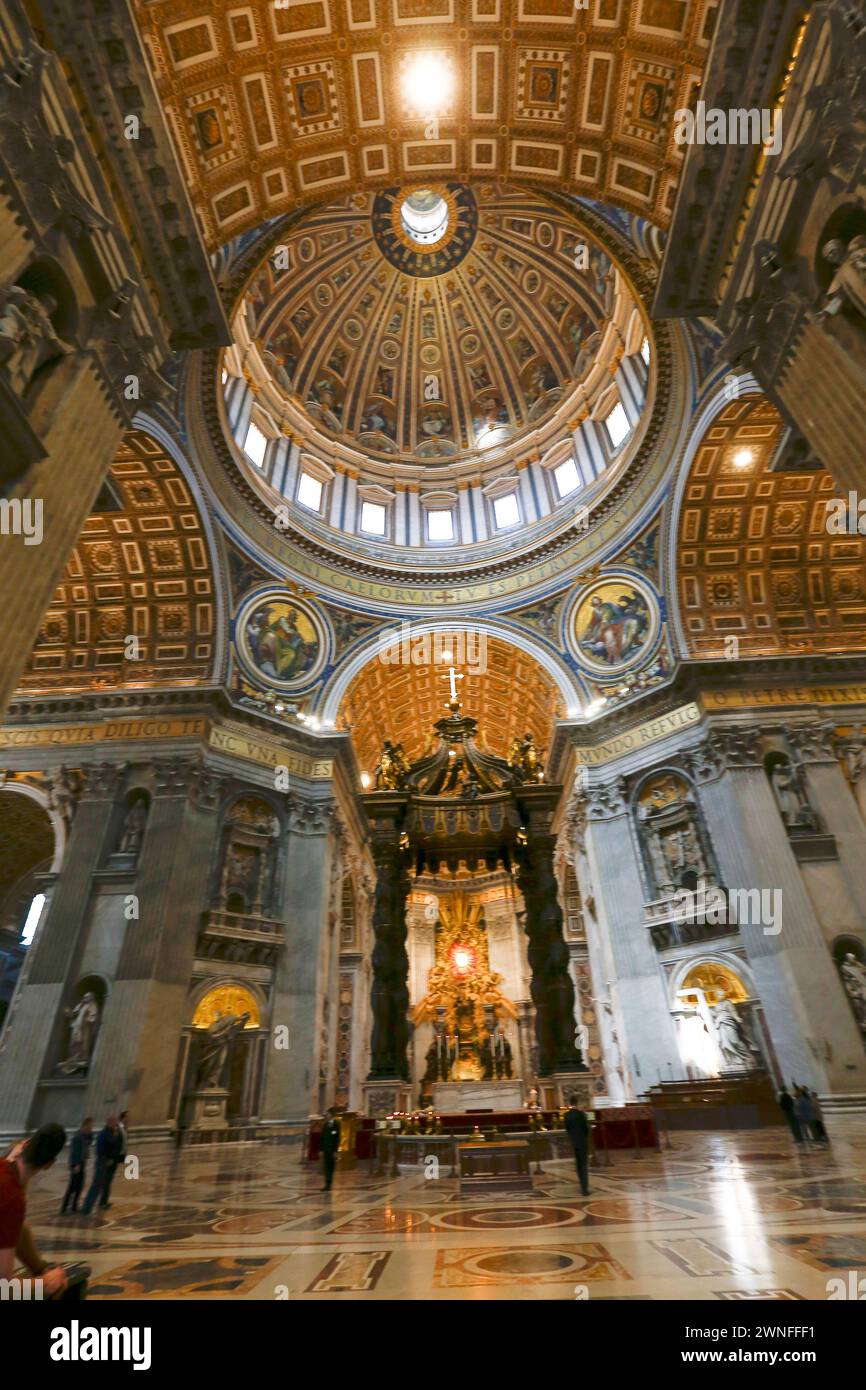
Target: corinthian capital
{"type": "Point", "coordinates": [737, 745]}
{"type": "Point", "coordinates": [813, 743]}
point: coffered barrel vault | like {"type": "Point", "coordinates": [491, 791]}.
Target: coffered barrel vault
{"type": "Point", "coordinates": [270, 106]}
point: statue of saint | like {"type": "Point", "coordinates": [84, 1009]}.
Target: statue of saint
{"type": "Point", "coordinates": [27, 336]}
{"type": "Point", "coordinates": [392, 767]}
{"type": "Point", "coordinates": [791, 797]}
{"type": "Point", "coordinates": [848, 286]}
{"type": "Point", "coordinates": [132, 831]}
{"type": "Point", "coordinates": [216, 1050]}
{"type": "Point", "coordinates": [737, 1049]}
{"type": "Point", "coordinates": [854, 980]}
{"type": "Point", "coordinates": [83, 1020]}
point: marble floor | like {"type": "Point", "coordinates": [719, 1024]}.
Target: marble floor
{"type": "Point", "coordinates": [716, 1216]}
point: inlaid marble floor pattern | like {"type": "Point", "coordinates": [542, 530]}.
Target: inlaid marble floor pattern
{"type": "Point", "coordinates": [731, 1216]}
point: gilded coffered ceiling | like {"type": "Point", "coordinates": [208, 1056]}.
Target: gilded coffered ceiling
{"type": "Point", "coordinates": [432, 352]}
{"type": "Point", "coordinates": [141, 570]}
{"type": "Point", "coordinates": [502, 687]}
{"type": "Point", "coordinates": [755, 558]}
{"type": "Point", "coordinates": [275, 105]}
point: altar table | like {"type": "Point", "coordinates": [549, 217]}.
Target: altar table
{"type": "Point", "coordinates": [460, 1097]}
{"type": "Point", "coordinates": [494, 1166]}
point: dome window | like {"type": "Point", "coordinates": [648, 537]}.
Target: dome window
{"type": "Point", "coordinates": [373, 518]}
{"type": "Point", "coordinates": [440, 525]}
{"type": "Point", "coordinates": [310, 492]}
{"type": "Point", "coordinates": [506, 511]}
{"type": "Point", "coordinates": [567, 479]}
{"type": "Point", "coordinates": [255, 445]}
{"type": "Point", "coordinates": [617, 425]}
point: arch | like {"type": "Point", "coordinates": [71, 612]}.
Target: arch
{"type": "Point", "coordinates": [545, 655]}
{"type": "Point", "coordinates": [750, 550]}
{"type": "Point", "coordinates": [137, 602]}
{"type": "Point", "coordinates": [216, 998]}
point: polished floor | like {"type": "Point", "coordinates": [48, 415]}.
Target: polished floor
{"type": "Point", "coordinates": [723, 1216]}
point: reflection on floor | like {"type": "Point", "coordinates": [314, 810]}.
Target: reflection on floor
{"type": "Point", "coordinates": [719, 1216]}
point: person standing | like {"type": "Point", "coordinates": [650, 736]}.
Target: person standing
{"type": "Point", "coordinates": [24, 1161]}
{"type": "Point", "coordinates": [786, 1105]}
{"type": "Point", "coordinates": [78, 1151]}
{"type": "Point", "coordinates": [577, 1127]}
{"type": "Point", "coordinates": [820, 1133]}
{"type": "Point", "coordinates": [805, 1111]}
{"type": "Point", "coordinates": [108, 1143]}
{"type": "Point", "coordinates": [329, 1143]}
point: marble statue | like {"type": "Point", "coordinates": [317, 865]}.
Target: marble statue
{"type": "Point", "coordinates": [737, 1049]}
{"type": "Point", "coordinates": [216, 1050]}
{"type": "Point", "coordinates": [64, 790]}
{"type": "Point", "coordinates": [27, 336]}
{"type": "Point", "coordinates": [854, 980]}
{"type": "Point", "coordinates": [791, 797]}
{"type": "Point", "coordinates": [83, 1020]}
{"type": "Point", "coordinates": [848, 286]}
{"type": "Point", "coordinates": [132, 830]}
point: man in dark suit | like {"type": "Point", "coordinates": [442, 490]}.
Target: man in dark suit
{"type": "Point", "coordinates": [577, 1127]}
{"type": "Point", "coordinates": [108, 1146]}
{"type": "Point", "coordinates": [78, 1152]}
{"type": "Point", "coordinates": [329, 1143]}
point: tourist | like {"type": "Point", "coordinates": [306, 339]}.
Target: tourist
{"type": "Point", "coordinates": [108, 1144]}
{"type": "Point", "coordinates": [78, 1151]}
{"type": "Point", "coordinates": [329, 1143]}
{"type": "Point", "coordinates": [818, 1130]}
{"type": "Point", "coordinates": [805, 1111]}
{"type": "Point", "coordinates": [786, 1105]}
{"type": "Point", "coordinates": [24, 1161]}
{"type": "Point", "coordinates": [577, 1126]}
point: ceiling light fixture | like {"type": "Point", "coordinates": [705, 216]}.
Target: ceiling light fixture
{"type": "Point", "coordinates": [428, 83]}
{"type": "Point", "coordinates": [743, 457]}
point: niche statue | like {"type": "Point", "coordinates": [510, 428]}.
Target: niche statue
{"type": "Point", "coordinates": [27, 336]}
{"type": "Point", "coordinates": [132, 830]}
{"type": "Point", "coordinates": [217, 1048]}
{"type": "Point", "coordinates": [83, 1021]}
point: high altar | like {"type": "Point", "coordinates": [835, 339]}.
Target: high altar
{"type": "Point", "coordinates": [465, 1058]}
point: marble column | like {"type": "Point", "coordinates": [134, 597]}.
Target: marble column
{"type": "Point", "coordinates": [624, 959]}
{"type": "Point", "coordinates": [291, 1075]}
{"type": "Point", "coordinates": [813, 1033]}
{"type": "Point", "coordinates": [32, 1038]}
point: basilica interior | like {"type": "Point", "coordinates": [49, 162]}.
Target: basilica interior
{"type": "Point", "coordinates": [433, 675]}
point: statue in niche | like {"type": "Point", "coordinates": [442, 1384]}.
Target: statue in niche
{"type": "Point", "coordinates": [132, 830]}
{"type": "Point", "coordinates": [853, 974]}
{"type": "Point", "coordinates": [737, 1049]}
{"type": "Point", "coordinates": [83, 1022]}
{"type": "Point", "coordinates": [524, 761]}
{"type": "Point", "coordinates": [848, 286]}
{"type": "Point", "coordinates": [216, 1051]}
{"type": "Point", "coordinates": [791, 797]}
{"type": "Point", "coordinates": [669, 831]}
{"type": "Point", "coordinates": [27, 336]}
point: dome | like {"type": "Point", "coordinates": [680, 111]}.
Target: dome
{"type": "Point", "coordinates": [433, 325]}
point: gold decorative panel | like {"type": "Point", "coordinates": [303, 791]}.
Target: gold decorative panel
{"type": "Point", "coordinates": [755, 560]}
{"type": "Point", "coordinates": [274, 106]}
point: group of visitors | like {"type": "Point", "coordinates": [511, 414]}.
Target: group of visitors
{"type": "Point", "coordinates": [110, 1153]}
{"type": "Point", "coordinates": [802, 1111]}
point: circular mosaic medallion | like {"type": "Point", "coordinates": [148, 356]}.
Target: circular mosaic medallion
{"type": "Point", "coordinates": [281, 641]}
{"type": "Point", "coordinates": [614, 624]}
{"type": "Point", "coordinates": [430, 355]}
